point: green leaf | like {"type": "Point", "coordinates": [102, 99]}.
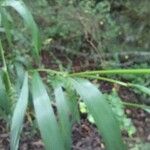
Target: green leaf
{"type": "Point", "coordinates": [72, 98]}
{"type": "Point", "coordinates": [141, 88]}
{"type": "Point", "coordinates": [19, 74]}
{"type": "Point", "coordinates": [6, 24]}
{"type": "Point", "coordinates": [101, 112]}
{"type": "Point", "coordinates": [72, 101]}
{"type": "Point", "coordinates": [18, 115]}
{"type": "Point", "coordinates": [63, 115]}
{"type": "Point", "coordinates": [147, 110]}
{"type": "Point", "coordinates": [20, 7]}
{"type": "Point", "coordinates": [141, 146]}
{"type": "Point", "coordinates": [45, 116]}
{"type": "Point", "coordinates": [83, 107]}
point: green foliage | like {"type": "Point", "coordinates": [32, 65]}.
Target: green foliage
{"type": "Point", "coordinates": [103, 116]}
{"type": "Point", "coordinates": [134, 23]}
{"type": "Point", "coordinates": [18, 115]}
{"type": "Point", "coordinates": [118, 108]}
{"type": "Point", "coordinates": [63, 113]}
{"type": "Point", "coordinates": [45, 115]}
{"type": "Point", "coordinates": [27, 18]}
{"type": "Point", "coordinates": [101, 26]}
{"type": "Point", "coordinates": [4, 102]}
{"type": "Point", "coordinates": [141, 146]}
{"type": "Point", "coordinates": [78, 25]}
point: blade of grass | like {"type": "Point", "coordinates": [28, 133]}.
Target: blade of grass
{"type": "Point", "coordinates": [114, 71]}
{"type": "Point", "coordinates": [6, 77]}
{"type": "Point", "coordinates": [45, 116]}
{"type": "Point", "coordinates": [63, 115]}
{"type": "Point", "coordinates": [6, 25]}
{"type": "Point", "coordinates": [141, 88]}
{"type": "Point", "coordinates": [20, 7]}
{"type": "Point", "coordinates": [101, 112]}
{"type": "Point", "coordinates": [73, 104]}
{"type": "Point", "coordinates": [18, 115]}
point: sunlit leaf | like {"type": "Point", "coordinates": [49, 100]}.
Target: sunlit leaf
{"type": "Point", "coordinates": [101, 112]}
{"type": "Point", "coordinates": [45, 116]}
{"type": "Point", "coordinates": [18, 115]}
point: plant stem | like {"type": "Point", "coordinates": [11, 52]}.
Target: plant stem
{"type": "Point", "coordinates": [115, 71]}
{"type": "Point", "coordinates": [5, 71]}
{"type": "Point", "coordinates": [50, 71]}
{"type": "Point", "coordinates": [106, 72]}
{"type": "Point", "coordinates": [2, 56]}
{"type": "Point", "coordinates": [107, 79]}
{"type": "Point", "coordinates": [136, 105]}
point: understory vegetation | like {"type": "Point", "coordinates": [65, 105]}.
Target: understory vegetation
{"type": "Point", "coordinates": [55, 56]}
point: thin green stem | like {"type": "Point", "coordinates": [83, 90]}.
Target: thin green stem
{"type": "Point", "coordinates": [115, 71]}
{"type": "Point", "coordinates": [136, 105]}
{"type": "Point", "coordinates": [122, 84]}
{"type": "Point", "coordinates": [100, 72]}
{"type": "Point", "coordinates": [106, 79]}
{"type": "Point", "coordinates": [2, 56]}
{"type": "Point", "coordinates": [49, 71]}
{"type": "Point", "coordinates": [4, 68]}
{"type": "Point", "coordinates": [129, 85]}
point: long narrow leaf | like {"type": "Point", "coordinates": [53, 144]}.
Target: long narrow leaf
{"type": "Point", "coordinates": [63, 116]}
{"type": "Point", "coordinates": [73, 105]}
{"type": "Point", "coordinates": [20, 7]}
{"type": "Point", "coordinates": [141, 88]}
{"type": "Point", "coordinates": [45, 116]}
{"type": "Point", "coordinates": [101, 111]}
{"type": "Point", "coordinates": [18, 115]}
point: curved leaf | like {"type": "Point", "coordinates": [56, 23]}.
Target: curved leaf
{"type": "Point", "coordinates": [63, 116]}
{"type": "Point", "coordinates": [45, 116]}
{"type": "Point", "coordinates": [18, 115]}
{"type": "Point", "coordinates": [20, 7]}
{"type": "Point", "coordinates": [101, 112]}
